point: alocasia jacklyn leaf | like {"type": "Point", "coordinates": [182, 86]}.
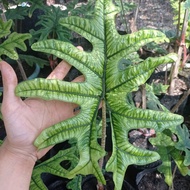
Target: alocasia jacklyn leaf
{"type": "Point", "coordinates": [107, 82]}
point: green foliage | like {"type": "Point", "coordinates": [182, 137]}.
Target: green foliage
{"type": "Point", "coordinates": [14, 40]}
{"type": "Point", "coordinates": [75, 183]}
{"type": "Point", "coordinates": [159, 88]}
{"type": "Point", "coordinates": [104, 81]}
{"type": "Point", "coordinates": [31, 60]}
{"type": "Point", "coordinates": [155, 48]}
{"type": "Point", "coordinates": [184, 143]}
{"type": "Point", "coordinates": [34, 4]}
{"type": "Point", "coordinates": [85, 10]}
{"type": "Point", "coordinates": [153, 102]}
{"type": "Point", "coordinates": [22, 8]}
{"type": "Point", "coordinates": [49, 27]}
{"type": "Point", "coordinates": [175, 6]}
{"type": "Point", "coordinates": [179, 12]}
{"type": "Point", "coordinates": [187, 4]}
{"type": "Point", "coordinates": [5, 28]}
{"type": "Point", "coordinates": [17, 13]}
{"type": "Point", "coordinates": [126, 5]}
{"type": "Point", "coordinates": [49, 166]}
{"type": "Point", "coordinates": [167, 151]}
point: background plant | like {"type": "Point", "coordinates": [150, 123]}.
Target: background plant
{"type": "Point", "coordinates": [181, 41]}
{"type": "Point", "coordinates": [10, 41]}
{"type": "Point", "coordinates": [42, 22]}
{"type": "Point", "coordinates": [112, 72]}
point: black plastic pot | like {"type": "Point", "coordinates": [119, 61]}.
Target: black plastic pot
{"type": "Point", "coordinates": [90, 183]}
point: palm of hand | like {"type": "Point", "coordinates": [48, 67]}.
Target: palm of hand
{"type": "Point", "coordinates": [25, 120]}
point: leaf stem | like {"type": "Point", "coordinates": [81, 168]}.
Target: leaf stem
{"type": "Point", "coordinates": [103, 139]}
{"type": "Point", "coordinates": [21, 69]}
{"type": "Point", "coordinates": [175, 68]}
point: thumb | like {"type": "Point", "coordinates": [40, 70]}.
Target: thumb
{"type": "Point", "coordinates": [9, 83]}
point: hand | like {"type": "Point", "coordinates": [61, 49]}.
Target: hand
{"type": "Point", "coordinates": [25, 120]}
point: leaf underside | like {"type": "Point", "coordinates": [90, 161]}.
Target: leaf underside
{"type": "Point", "coordinates": [104, 79]}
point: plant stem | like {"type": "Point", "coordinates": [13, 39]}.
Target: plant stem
{"type": "Point", "coordinates": [123, 16]}
{"type": "Point", "coordinates": [143, 90]}
{"type": "Point", "coordinates": [175, 68]}
{"type": "Point", "coordinates": [21, 69]}
{"type": "Point", "coordinates": [103, 139]}
{"type": "Point", "coordinates": [185, 95]}
{"type": "Point", "coordinates": [178, 25]}
{"type": "Point", "coordinates": [133, 21]}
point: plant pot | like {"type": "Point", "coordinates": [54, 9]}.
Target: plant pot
{"type": "Point", "coordinates": [90, 183]}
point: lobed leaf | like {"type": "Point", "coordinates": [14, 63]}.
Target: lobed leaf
{"type": "Point", "coordinates": [105, 78]}
{"type": "Point", "coordinates": [5, 28]}
{"type": "Point", "coordinates": [14, 40]}
{"type": "Point", "coordinates": [184, 143]}
{"type": "Point", "coordinates": [53, 166]}
{"type": "Point", "coordinates": [167, 151]}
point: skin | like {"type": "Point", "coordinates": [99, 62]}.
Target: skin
{"type": "Point", "coordinates": [24, 121]}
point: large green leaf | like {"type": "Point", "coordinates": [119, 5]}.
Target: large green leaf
{"type": "Point", "coordinates": [105, 80]}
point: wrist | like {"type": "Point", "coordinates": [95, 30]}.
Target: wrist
{"type": "Point", "coordinates": [16, 153]}
{"type": "Point", "coordinates": [16, 168]}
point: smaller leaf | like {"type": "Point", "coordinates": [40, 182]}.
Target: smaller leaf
{"type": "Point", "coordinates": [163, 143]}
{"type": "Point", "coordinates": [35, 4]}
{"type": "Point", "coordinates": [153, 102]}
{"type": "Point", "coordinates": [184, 143]}
{"type": "Point", "coordinates": [75, 183]}
{"type": "Point", "coordinates": [53, 166]}
{"type": "Point", "coordinates": [159, 88]}
{"type": "Point", "coordinates": [17, 13]}
{"type": "Point", "coordinates": [49, 26]}
{"type": "Point", "coordinates": [5, 27]}
{"type": "Point", "coordinates": [14, 40]}
{"type": "Point", "coordinates": [167, 151]}
{"type": "Point", "coordinates": [31, 60]}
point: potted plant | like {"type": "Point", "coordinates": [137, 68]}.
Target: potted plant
{"type": "Point", "coordinates": [112, 71]}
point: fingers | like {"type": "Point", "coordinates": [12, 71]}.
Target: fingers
{"type": "Point", "coordinates": [62, 69]}
{"type": "Point", "coordinates": [9, 82]}
{"type": "Point", "coordinates": [80, 78]}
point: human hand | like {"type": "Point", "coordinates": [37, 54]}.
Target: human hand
{"type": "Point", "coordinates": [25, 120]}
